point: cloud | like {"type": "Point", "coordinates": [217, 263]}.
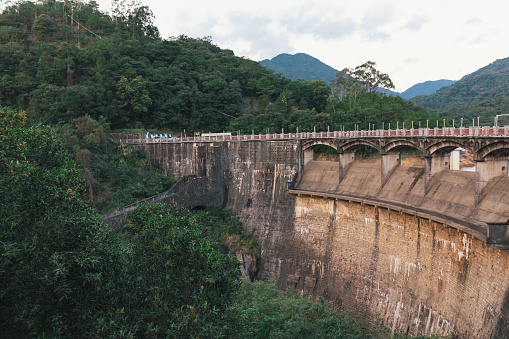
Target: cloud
{"type": "Point", "coordinates": [377, 15]}
{"type": "Point", "coordinates": [195, 25]}
{"type": "Point", "coordinates": [377, 36]}
{"type": "Point", "coordinates": [411, 60]}
{"type": "Point", "coordinates": [478, 40]}
{"type": "Point", "coordinates": [474, 21]}
{"type": "Point", "coordinates": [321, 25]}
{"type": "Point", "coordinates": [263, 36]}
{"type": "Point", "coordinates": [257, 36]}
{"type": "Point", "coordinates": [416, 23]}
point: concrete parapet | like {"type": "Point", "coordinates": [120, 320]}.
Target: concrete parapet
{"type": "Point", "coordinates": [498, 235]}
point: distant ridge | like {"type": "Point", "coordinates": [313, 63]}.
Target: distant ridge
{"type": "Point", "coordinates": [425, 88]}
{"type": "Point", "coordinates": [306, 67]}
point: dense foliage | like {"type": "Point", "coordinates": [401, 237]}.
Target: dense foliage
{"type": "Point", "coordinates": [60, 67]}
{"type": "Point", "coordinates": [226, 229]}
{"type": "Point", "coordinates": [115, 174]}
{"type": "Point", "coordinates": [57, 258]}
{"type": "Point", "coordinates": [271, 314]}
{"type": "Point", "coordinates": [365, 111]}
{"type": "Point", "coordinates": [64, 273]}
{"type": "Point", "coordinates": [60, 61]}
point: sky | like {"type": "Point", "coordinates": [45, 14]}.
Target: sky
{"type": "Point", "coordinates": [412, 41]}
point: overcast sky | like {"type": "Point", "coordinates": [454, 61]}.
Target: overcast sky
{"type": "Point", "coordinates": [412, 41]}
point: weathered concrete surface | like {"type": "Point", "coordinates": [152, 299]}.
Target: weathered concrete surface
{"type": "Point", "coordinates": [450, 193]}
{"type": "Point", "coordinates": [419, 275]}
{"type": "Point", "coordinates": [422, 276]}
{"type": "Point", "coordinates": [190, 163]}
{"type": "Point", "coordinates": [189, 191]}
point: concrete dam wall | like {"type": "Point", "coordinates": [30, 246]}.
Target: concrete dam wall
{"type": "Point", "coordinates": [419, 257]}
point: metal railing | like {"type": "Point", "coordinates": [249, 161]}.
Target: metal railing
{"type": "Point", "coordinates": [486, 131]}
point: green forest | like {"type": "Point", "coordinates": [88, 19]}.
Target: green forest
{"type": "Point", "coordinates": [69, 76]}
{"type": "Point", "coordinates": [59, 67]}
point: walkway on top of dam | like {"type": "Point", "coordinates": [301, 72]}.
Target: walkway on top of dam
{"type": "Point", "coordinates": [480, 131]}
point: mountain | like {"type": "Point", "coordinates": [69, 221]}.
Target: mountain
{"type": "Point", "coordinates": [304, 66]}
{"type": "Point", "coordinates": [300, 66]}
{"type": "Point", "coordinates": [487, 82]}
{"type": "Point", "coordinates": [483, 93]}
{"type": "Point", "coordinates": [425, 88]}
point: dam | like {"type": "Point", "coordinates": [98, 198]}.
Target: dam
{"type": "Point", "coordinates": [424, 248]}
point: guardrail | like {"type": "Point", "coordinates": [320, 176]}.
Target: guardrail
{"type": "Point", "coordinates": [413, 132]}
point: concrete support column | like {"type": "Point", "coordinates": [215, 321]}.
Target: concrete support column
{"type": "Point", "coordinates": [389, 163]}
{"type": "Point", "coordinates": [455, 160]}
{"type": "Point", "coordinates": [487, 169]}
{"type": "Point", "coordinates": [434, 164]}
{"type": "Point", "coordinates": [345, 159]}
{"type": "Point", "coordinates": [308, 155]}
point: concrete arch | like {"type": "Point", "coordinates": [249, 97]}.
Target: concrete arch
{"type": "Point", "coordinates": [396, 146]}
{"type": "Point", "coordinates": [310, 144]}
{"type": "Point", "coordinates": [351, 146]}
{"type": "Point", "coordinates": [446, 146]}
{"type": "Point", "coordinates": [497, 149]}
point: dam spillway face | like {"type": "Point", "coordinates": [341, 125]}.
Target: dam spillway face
{"type": "Point", "coordinates": [426, 248]}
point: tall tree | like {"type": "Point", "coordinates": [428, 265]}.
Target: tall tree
{"type": "Point", "coordinates": [133, 96]}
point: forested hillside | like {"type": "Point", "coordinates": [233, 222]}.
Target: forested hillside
{"type": "Point", "coordinates": [59, 67]}
{"type": "Point", "coordinates": [484, 94]}
{"type": "Point", "coordinates": [63, 60]}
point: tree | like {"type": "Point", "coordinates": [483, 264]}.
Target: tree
{"type": "Point", "coordinates": [140, 22]}
{"type": "Point", "coordinates": [43, 27]}
{"type": "Point", "coordinates": [346, 85]}
{"type": "Point", "coordinates": [46, 104]}
{"type": "Point", "coordinates": [178, 281]}
{"type": "Point", "coordinates": [320, 91]}
{"type": "Point", "coordinates": [58, 258]}
{"type": "Point", "coordinates": [363, 78]}
{"type": "Point", "coordinates": [133, 96]}
{"type": "Point", "coordinates": [65, 274]}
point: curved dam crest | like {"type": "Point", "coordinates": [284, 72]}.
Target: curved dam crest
{"type": "Point", "coordinates": [417, 253]}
